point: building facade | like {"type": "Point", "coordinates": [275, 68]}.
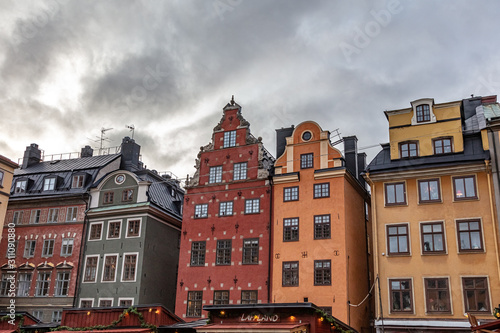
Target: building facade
{"type": "Point", "coordinates": [224, 255]}
{"type": "Point", "coordinates": [434, 231]}
{"type": "Point", "coordinates": [7, 168]}
{"type": "Point", "coordinates": [132, 237]}
{"type": "Point", "coordinates": [47, 206]}
{"type": "Point", "coordinates": [320, 224]}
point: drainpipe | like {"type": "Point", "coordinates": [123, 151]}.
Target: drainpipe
{"type": "Point", "coordinates": [269, 277]}
{"type": "Point", "coordinates": [82, 247]}
{"type": "Point", "coordinates": [493, 217]}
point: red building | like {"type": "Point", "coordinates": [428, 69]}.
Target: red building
{"type": "Point", "coordinates": [224, 254]}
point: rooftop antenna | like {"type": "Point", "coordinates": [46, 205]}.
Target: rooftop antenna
{"type": "Point", "coordinates": [131, 128]}
{"type": "Point", "coordinates": [103, 138]}
{"type": "Point", "coordinates": [336, 134]}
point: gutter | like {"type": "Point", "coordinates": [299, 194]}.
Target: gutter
{"type": "Point", "coordinates": [83, 243]}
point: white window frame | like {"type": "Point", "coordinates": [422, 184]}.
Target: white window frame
{"type": "Point", "coordinates": [77, 179]}
{"type": "Point", "coordinates": [136, 266]}
{"type": "Point", "coordinates": [201, 216]}
{"type": "Point", "coordinates": [252, 206]}
{"type": "Point", "coordinates": [52, 210]}
{"type": "Point", "coordinates": [105, 299]}
{"type": "Point", "coordinates": [240, 171]}
{"type": "Point", "coordinates": [38, 314]}
{"type": "Point", "coordinates": [72, 209]}
{"type": "Point", "coordinates": [49, 184]}
{"type": "Point", "coordinates": [45, 271]}
{"type": "Point", "coordinates": [45, 241]}
{"type": "Point", "coordinates": [21, 186]}
{"type": "Point", "coordinates": [28, 284]}
{"type": "Point", "coordinates": [96, 268]}
{"type": "Point", "coordinates": [215, 174]}
{"type": "Point", "coordinates": [25, 244]}
{"type": "Point", "coordinates": [90, 228]}
{"type": "Point", "coordinates": [117, 255]}
{"type": "Point", "coordinates": [17, 217]}
{"type": "Point", "coordinates": [107, 230]}
{"type": "Point", "coordinates": [34, 219]}
{"type": "Point", "coordinates": [125, 299]}
{"type": "Point", "coordinates": [140, 227]}
{"type": "Point", "coordinates": [229, 139]}
{"type": "Point", "coordinates": [224, 211]}
{"type": "Point", "coordinates": [57, 283]}
{"type": "Point", "coordinates": [86, 299]}
{"type": "Point", "coordinates": [72, 246]}
{"type": "Point", "coordinates": [59, 312]}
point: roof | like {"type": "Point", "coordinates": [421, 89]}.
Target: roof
{"type": "Point", "coordinates": [8, 162]}
{"type": "Point", "coordinates": [254, 327]}
{"type": "Point", "coordinates": [190, 324]}
{"type": "Point", "coordinates": [115, 330]}
{"type": "Point", "coordinates": [491, 111]}
{"type": "Point", "coordinates": [73, 164]}
{"type": "Point", "coordinates": [160, 192]}
{"type": "Point", "coordinates": [473, 152]}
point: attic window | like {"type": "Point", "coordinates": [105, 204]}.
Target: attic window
{"type": "Point", "coordinates": [20, 186]}
{"type": "Point", "coordinates": [78, 181]}
{"type": "Point", "coordinates": [49, 184]}
{"type": "Point", "coordinates": [423, 113]}
{"type": "Point", "coordinates": [229, 139]}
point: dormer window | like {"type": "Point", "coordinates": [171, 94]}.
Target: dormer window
{"type": "Point", "coordinates": [49, 184]}
{"type": "Point", "coordinates": [229, 139]}
{"type": "Point", "coordinates": [423, 113]}
{"type": "Point", "coordinates": [408, 149]}
{"type": "Point", "coordinates": [78, 181]}
{"type": "Point", "coordinates": [442, 146]}
{"type": "Point", "coordinates": [20, 186]}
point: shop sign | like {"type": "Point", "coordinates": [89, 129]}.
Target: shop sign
{"type": "Point", "coordinates": [272, 318]}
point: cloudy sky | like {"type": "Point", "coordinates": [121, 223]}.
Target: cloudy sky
{"type": "Point", "coordinates": [70, 68]}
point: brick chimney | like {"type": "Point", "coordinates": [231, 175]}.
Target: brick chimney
{"type": "Point", "coordinates": [130, 155]}
{"type": "Point", "coordinates": [32, 155]}
{"type": "Point", "coordinates": [361, 168]}
{"type": "Point", "coordinates": [351, 154]}
{"type": "Point", "coordinates": [281, 135]}
{"type": "Point", "coordinates": [87, 151]}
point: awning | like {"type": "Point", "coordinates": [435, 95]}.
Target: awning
{"type": "Point", "coordinates": [258, 327]}
{"type": "Point", "coordinates": [114, 330]}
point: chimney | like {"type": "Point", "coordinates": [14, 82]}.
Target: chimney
{"type": "Point", "coordinates": [32, 156]}
{"type": "Point", "coordinates": [351, 154]}
{"type": "Point", "coordinates": [281, 135]}
{"type": "Point", "coordinates": [87, 152]}
{"type": "Point", "coordinates": [130, 155]}
{"type": "Point", "coordinates": [361, 168]}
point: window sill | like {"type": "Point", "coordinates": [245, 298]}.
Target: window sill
{"type": "Point", "coordinates": [396, 205]}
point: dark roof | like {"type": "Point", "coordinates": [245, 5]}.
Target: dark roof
{"type": "Point", "coordinates": [63, 170]}
{"type": "Point", "coordinates": [160, 192]}
{"type": "Point", "coordinates": [473, 152]}
{"type": "Point", "coordinates": [191, 324]}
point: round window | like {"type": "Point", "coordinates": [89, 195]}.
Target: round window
{"type": "Point", "coordinates": [306, 136]}
{"type": "Point", "coordinates": [119, 179]}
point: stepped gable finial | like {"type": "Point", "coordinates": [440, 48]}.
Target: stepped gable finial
{"type": "Point", "coordinates": [232, 100]}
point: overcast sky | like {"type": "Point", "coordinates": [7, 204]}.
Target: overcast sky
{"type": "Point", "coordinates": [70, 68]}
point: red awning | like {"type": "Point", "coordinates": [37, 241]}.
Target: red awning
{"type": "Point", "coordinates": [257, 327]}
{"type": "Point", "coordinates": [114, 330]}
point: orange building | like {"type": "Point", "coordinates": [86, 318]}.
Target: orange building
{"type": "Point", "coordinates": [320, 224]}
{"type": "Point", "coordinates": [434, 231]}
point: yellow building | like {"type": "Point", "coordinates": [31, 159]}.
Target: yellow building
{"type": "Point", "coordinates": [435, 238]}
{"type": "Point", "coordinates": [6, 173]}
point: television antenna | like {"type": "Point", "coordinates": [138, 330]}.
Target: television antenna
{"type": "Point", "coordinates": [131, 128]}
{"type": "Point", "coordinates": [103, 138]}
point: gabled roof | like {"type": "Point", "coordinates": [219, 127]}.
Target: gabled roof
{"type": "Point", "coordinates": [160, 192]}
{"type": "Point", "coordinates": [74, 164]}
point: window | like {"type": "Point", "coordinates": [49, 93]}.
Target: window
{"type": "Point", "coordinates": [53, 215]}
{"type": "Point", "coordinates": [86, 303]}
{"type": "Point", "coordinates": [23, 284]}
{"type": "Point", "coordinates": [48, 248]}
{"type": "Point", "coordinates": [194, 303]}
{"type": "Point", "coordinates": [223, 252]}
{"type": "Point", "coordinates": [240, 171]}
{"type": "Point", "coordinates": [77, 181]}
{"type": "Point", "coordinates": [108, 197]}
{"type": "Point", "coordinates": [35, 216]}
{"type": "Point", "coordinates": [95, 231]}
{"type": "Point", "coordinates": [126, 302]}
{"type": "Point", "coordinates": [17, 217]}
{"type": "Point", "coordinates": [306, 161]}
{"type": "Point", "coordinates": [105, 302]}
{"type": "Point", "coordinates": [71, 214]}
{"type": "Point", "coordinates": [290, 274]}
{"type": "Point", "coordinates": [291, 193]}
{"type": "Point", "coordinates": [134, 228]}
{"type": "Point", "coordinates": [432, 237]}
{"type": "Point", "coordinates": [442, 146]}
{"type": "Point", "coordinates": [423, 113]}
{"type": "Point", "coordinates": [291, 229]}
{"type": "Point", "coordinates": [109, 271]}
{"type": "Point", "coordinates": [464, 187]}
{"type": "Point", "coordinates": [127, 195]}
{"type": "Point", "coordinates": [198, 254]}
{"type": "Point", "coordinates": [5, 285]}
{"type": "Point", "coordinates": [401, 295]}
{"type": "Point", "coordinates": [200, 211]}
{"type": "Point", "coordinates": [469, 236]}
{"type": "Point", "coordinates": [229, 139]}
{"type": "Point", "coordinates": [1, 178]}
{"type": "Point", "coordinates": [226, 208]}
{"type": "Point", "coordinates": [215, 174]}
{"type": "Point", "coordinates": [250, 251]}
{"type": "Point", "coordinates": [67, 247]}
{"type": "Point", "coordinates": [252, 206]}
{"type": "Point", "coordinates": [49, 184]}
{"type": "Point", "coordinates": [249, 297]}
{"type": "Point", "coordinates": [90, 271]}
{"type": "Point", "coordinates": [62, 283]}
{"type": "Point", "coordinates": [395, 194]}
{"type": "Point", "coordinates": [321, 226]}
{"type": "Point", "coordinates": [437, 295]}
{"type": "Point", "coordinates": [38, 314]}
{"type": "Point", "coordinates": [56, 316]}
{"type": "Point", "coordinates": [20, 186]}
{"type": "Point", "coordinates": [408, 149]}
{"type": "Point", "coordinates": [322, 273]}
{"type": "Point", "coordinates": [42, 284]}
{"type": "Point", "coordinates": [476, 294]}
{"type": "Point", "coordinates": [221, 297]}
{"type": "Point", "coordinates": [321, 190]}
{"type": "Point", "coordinates": [397, 239]}
{"type": "Point", "coordinates": [429, 190]}
{"type": "Point", "coordinates": [114, 229]}
{"type": "Point", "coordinates": [129, 267]}
{"type": "Point", "coordinates": [29, 248]}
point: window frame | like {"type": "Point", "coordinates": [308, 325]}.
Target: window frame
{"type": "Point", "coordinates": [128, 195]}
{"type": "Point", "coordinates": [108, 197]}
{"type": "Point", "coordinates": [396, 202]}
{"type": "Point", "coordinates": [240, 171]}
{"type": "Point", "coordinates": [289, 229]}
{"type": "Point", "coordinates": [105, 299]}
{"type": "Point", "coordinates": [198, 254]}
{"type": "Point", "coordinates": [202, 209]}
{"type": "Point", "coordinates": [481, 249]}
{"type": "Point", "coordinates": [466, 197]}
{"type": "Point", "coordinates": [25, 283]}
{"type": "Point", "coordinates": [194, 304]}
{"type": "Point", "coordinates": [292, 195]}
{"type": "Point", "coordinates": [114, 222]}
{"type": "Point", "coordinates": [486, 292]}
{"type": "Point", "coordinates": [250, 293]}
{"type": "Point", "coordinates": [124, 268]}
{"type": "Point", "coordinates": [51, 213]}
{"type": "Point", "coordinates": [90, 238]}
{"type": "Point", "coordinates": [319, 222]}
{"type": "Point", "coordinates": [423, 113]}
{"type": "Point", "coordinates": [48, 248]}
{"type": "Point", "coordinates": [442, 139]}
{"type": "Point", "coordinates": [318, 190]}
{"type": "Point", "coordinates": [31, 248]}
{"type": "Point", "coordinates": [307, 161]}
{"type": "Point", "coordinates": [250, 254]}
{"type": "Point", "coordinates": [67, 246]}
{"type": "Point", "coordinates": [323, 272]}
{"type": "Point", "coordinates": [62, 285]}
{"type": "Point", "coordinates": [250, 206]}
{"type": "Point", "coordinates": [79, 180]}
{"type": "Point", "coordinates": [21, 186]}
{"type": "Point", "coordinates": [398, 235]}
{"type": "Point", "coordinates": [2, 175]}
{"type": "Point", "coordinates": [43, 285]}
{"type": "Point", "coordinates": [215, 174]}
{"type": "Point", "coordinates": [128, 234]}
{"type": "Point", "coordinates": [223, 253]}
{"type": "Point", "coordinates": [127, 299]}
{"type": "Point", "coordinates": [229, 139]}
{"type": "Point", "coordinates": [91, 300]}
{"type": "Point", "coordinates": [433, 233]}
{"type": "Point", "coordinates": [57, 315]}
{"type": "Point", "coordinates": [5, 285]}
{"type": "Point", "coordinates": [74, 214]}
{"type": "Point", "coordinates": [224, 209]}
{"type": "Point", "coordinates": [86, 266]}
{"type": "Point", "coordinates": [408, 145]}
{"type": "Point", "coordinates": [293, 279]}
{"type": "Point", "coordinates": [17, 217]}
{"type": "Point", "coordinates": [410, 291]}
{"type": "Point", "coordinates": [104, 264]}
{"type": "Point", "coordinates": [428, 181]}
{"type": "Point", "coordinates": [428, 290]}
{"type": "Point", "coordinates": [49, 184]}
{"type": "Point", "coordinates": [35, 215]}
{"type": "Point", "coordinates": [219, 298]}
